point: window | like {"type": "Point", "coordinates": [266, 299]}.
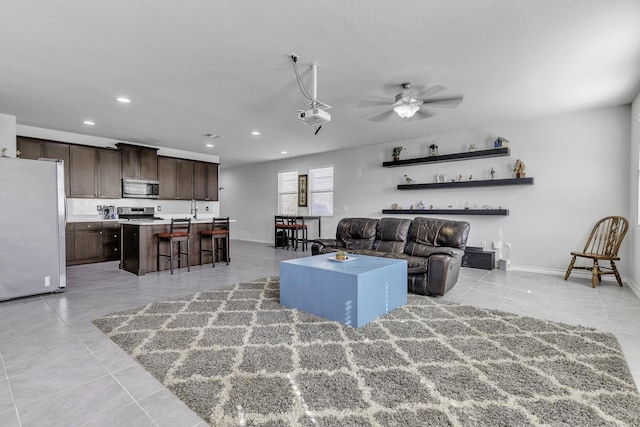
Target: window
{"type": "Point", "coordinates": [321, 191]}
{"type": "Point", "coordinates": [288, 193]}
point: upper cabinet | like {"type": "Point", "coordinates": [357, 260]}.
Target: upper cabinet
{"type": "Point", "coordinates": [32, 148]}
{"type": "Point", "coordinates": [108, 174]}
{"type": "Point", "coordinates": [139, 162]}
{"type": "Point", "coordinates": [176, 178]}
{"type": "Point", "coordinates": [205, 181]}
{"type": "Point", "coordinates": [95, 172]}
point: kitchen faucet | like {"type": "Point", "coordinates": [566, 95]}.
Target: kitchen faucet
{"type": "Point", "coordinates": [194, 209]}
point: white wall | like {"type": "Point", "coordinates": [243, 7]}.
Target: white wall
{"type": "Point", "coordinates": [634, 229]}
{"type": "Point", "coordinates": [579, 162]}
{"type": "Point", "coordinates": [8, 134]}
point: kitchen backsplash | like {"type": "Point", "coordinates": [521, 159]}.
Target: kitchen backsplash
{"type": "Point", "coordinates": [89, 207]}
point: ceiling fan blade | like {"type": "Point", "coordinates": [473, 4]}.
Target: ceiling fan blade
{"type": "Point", "coordinates": [422, 114]}
{"type": "Point", "coordinates": [381, 116]}
{"type": "Point", "coordinates": [452, 102]}
{"type": "Point", "coordinates": [374, 103]}
{"type": "Point", "coordinates": [431, 90]}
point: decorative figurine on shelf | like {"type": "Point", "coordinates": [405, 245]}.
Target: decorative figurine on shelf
{"type": "Point", "coordinates": [472, 147]}
{"type": "Point", "coordinates": [420, 205]}
{"type": "Point", "coordinates": [501, 142]}
{"type": "Point", "coordinates": [467, 205]}
{"type": "Point", "coordinates": [396, 153]}
{"type": "Point", "coordinates": [4, 152]}
{"type": "Point", "coordinates": [460, 177]}
{"type": "Point", "coordinates": [519, 169]}
{"type": "Point", "coordinates": [409, 180]}
{"type": "Point", "coordinates": [433, 149]}
{"type": "Point", "coordinates": [470, 177]}
{"type": "Point", "coordinates": [493, 173]}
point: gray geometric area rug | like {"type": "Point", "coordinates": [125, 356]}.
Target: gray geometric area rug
{"type": "Point", "coordinates": [237, 357]}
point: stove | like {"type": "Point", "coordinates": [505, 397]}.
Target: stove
{"type": "Point", "coordinates": [147, 213]}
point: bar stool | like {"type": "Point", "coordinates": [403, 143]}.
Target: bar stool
{"type": "Point", "coordinates": [219, 233]}
{"type": "Point", "coordinates": [297, 227]}
{"type": "Point", "coordinates": [293, 227]}
{"type": "Point", "coordinates": [178, 232]}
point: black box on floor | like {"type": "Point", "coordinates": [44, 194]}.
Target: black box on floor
{"type": "Point", "coordinates": [475, 257]}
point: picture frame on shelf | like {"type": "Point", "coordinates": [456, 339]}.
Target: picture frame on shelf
{"type": "Point", "coordinates": [302, 191]}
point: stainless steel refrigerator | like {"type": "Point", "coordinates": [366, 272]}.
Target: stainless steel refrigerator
{"type": "Point", "coordinates": [32, 227]}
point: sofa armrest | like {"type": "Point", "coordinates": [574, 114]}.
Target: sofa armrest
{"type": "Point", "coordinates": [444, 250]}
{"type": "Point", "coordinates": [322, 246]}
{"type": "Point", "coordinates": [442, 273]}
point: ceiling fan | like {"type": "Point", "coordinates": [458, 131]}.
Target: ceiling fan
{"type": "Point", "coordinates": [408, 104]}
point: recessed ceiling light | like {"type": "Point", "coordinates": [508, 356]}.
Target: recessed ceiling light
{"type": "Point", "coordinates": [123, 99]}
{"type": "Point", "coordinates": [255, 133]}
{"type": "Point", "coordinates": [283, 152]}
{"type": "Point", "coordinates": [210, 145]}
{"type": "Point", "coordinates": [89, 123]}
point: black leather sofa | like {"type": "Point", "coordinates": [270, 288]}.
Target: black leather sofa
{"type": "Point", "coordinates": [432, 247]}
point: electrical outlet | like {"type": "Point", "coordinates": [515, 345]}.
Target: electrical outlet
{"type": "Point", "coordinates": [159, 208]}
{"type": "Point", "coordinates": [99, 208]}
{"type": "Point", "coordinates": [47, 280]}
{"type": "Point", "coordinates": [206, 208]}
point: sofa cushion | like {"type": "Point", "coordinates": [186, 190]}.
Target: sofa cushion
{"type": "Point", "coordinates": [429, 235]}
{"type": "Point", "coordinates": [357, 233]}
{"type": "Point", "coordinates": [415, 264]}
{"type": "Point", "coordinates": [391, 235]}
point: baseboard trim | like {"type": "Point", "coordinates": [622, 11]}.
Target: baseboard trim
{"type": "Point", "coordinates": [577, 273]}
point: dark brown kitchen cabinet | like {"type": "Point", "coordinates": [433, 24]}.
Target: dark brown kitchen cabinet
{"type": "Point", "coordinates": [94, 172]}
{"type": "Point", "coordinates": [83, 163]}
{"type": "Point", "coordinates": [199, 180]}
{"type": "Point", "coordinates": [29, 148]}
{"type": "Point", "coordinates": [69, 245]}
{"type": "Point", "coordinates": [205, 181]}
{"type": "Point", "coordinates": [176, 178]}
{"type": "Point", "coordinates": [184, 179]}
{"type": "Point", "coordinates": [34, 148]}
{"type": "Point", "coordinates": [87, 242]}
{"type": "Point", "coordinates": [211, 182]}
{"type": "Point", "coordinates": [108, 174]}
{"type": "Point", "coordinates": [110, 241]}
{"type": "Point", "coordinates": [167, 177]}
{"type": "Point", "coordinates": [139, 162]}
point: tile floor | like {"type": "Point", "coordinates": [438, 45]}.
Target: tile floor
{"type": "Point", "coordinates": [57, 369]}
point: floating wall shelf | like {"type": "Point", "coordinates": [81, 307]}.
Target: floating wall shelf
{"type": "Point", "coordinates": [500, 212]}
{"type": "Point", "coordinates": [494, 152]}
{"type": "Point", "coordinates": [460, 184]}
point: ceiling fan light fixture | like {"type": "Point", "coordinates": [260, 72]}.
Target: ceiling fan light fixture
{"type": "Point", "coordinates": [406, 110]}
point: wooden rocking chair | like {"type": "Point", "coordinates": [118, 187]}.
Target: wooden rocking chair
{"type": "Point", "coordinates": [602, 245]}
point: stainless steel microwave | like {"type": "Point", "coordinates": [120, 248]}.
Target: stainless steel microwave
{"type": "Point", "coordinates": [140, 188]}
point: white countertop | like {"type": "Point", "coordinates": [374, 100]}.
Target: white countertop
{"type": "Point", "coordinates": [99, 218]}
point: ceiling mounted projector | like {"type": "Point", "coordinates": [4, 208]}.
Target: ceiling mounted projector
{"type": "Point", "coordinates": [315, 116]}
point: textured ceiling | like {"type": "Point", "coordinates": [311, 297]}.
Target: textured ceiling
{"type": "Point", "coordinates": [222, 67]}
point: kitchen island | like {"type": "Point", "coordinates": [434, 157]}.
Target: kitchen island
{"type": "Point", "coordinates": [139, 253]}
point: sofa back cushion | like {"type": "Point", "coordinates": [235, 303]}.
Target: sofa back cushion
{"type": "Point", "coordinates": [426, 235]}
{"type": "Point", "coordinates": [391, 235]}
{"type": "Point", "coordinates": [357, 233]}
